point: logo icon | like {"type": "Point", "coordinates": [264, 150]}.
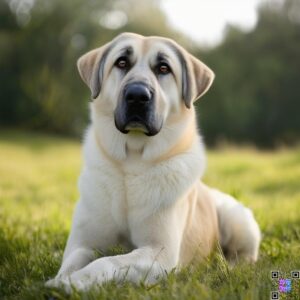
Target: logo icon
{"type": "Point", "coordinates": [295, 274]}
{"type": "Point", "coordinates": [274, 295]}
{"type": "Point", "coordinates": [274, 274]}
{"type": "Point", "coordinates": [285, 285]}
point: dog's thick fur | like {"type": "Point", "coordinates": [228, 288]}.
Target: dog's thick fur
{"type": "Point", "coordinates": [143, 189]}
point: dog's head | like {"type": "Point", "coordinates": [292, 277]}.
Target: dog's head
{"type": "Point", "coordinates": [143, 81]}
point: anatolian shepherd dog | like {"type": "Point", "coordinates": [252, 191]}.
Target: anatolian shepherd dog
{"type": "Point", "coordinates": [143, 162]}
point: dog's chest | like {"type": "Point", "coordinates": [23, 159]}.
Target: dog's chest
{"type": "Point", "coordinates": [121, 199]}
{"type": "Point", "coordinates": [134, 165]}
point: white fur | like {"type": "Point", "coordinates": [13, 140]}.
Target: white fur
{"type": "Point", "coordinates": [127, 191]}
{"type": "Point", "coordinates": [239, 232]}
{"type": "Point", "coordinates": [137, 201]}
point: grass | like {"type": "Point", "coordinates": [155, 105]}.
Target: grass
{"type": "Point", "coordinates": [38, 177]}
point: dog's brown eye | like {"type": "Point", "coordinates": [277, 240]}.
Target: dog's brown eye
{"type": "Point", "coordinates": [121, 63]}
{"type": "Point", "coordinates": [164, 69]}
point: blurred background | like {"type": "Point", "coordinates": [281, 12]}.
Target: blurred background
{"type": "Point", "coordinates": [248, 118]}
{"type": "Point", "coordinates": [253, 47]}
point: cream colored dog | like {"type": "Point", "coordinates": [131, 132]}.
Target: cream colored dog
{"type": "Point", "coordinates": [143, 162]}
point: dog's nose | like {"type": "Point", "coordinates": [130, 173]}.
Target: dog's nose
{"type": "Point", "coordinates": [137, 93]}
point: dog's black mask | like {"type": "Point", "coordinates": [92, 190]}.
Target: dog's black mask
{"type": "Point", "coordinates": [136, 110]}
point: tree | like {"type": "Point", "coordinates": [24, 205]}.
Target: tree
{"type": "Point", "coordinates": [256, 93]}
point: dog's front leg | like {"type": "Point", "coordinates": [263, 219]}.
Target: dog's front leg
{"type": "Point", "coordinates": [143, 264]}
{"type": "Point", "coordinates": [77, 259]}
{"type": "Point", "coordinates": [157, 239]}
{"type": "Point", "coordinates": [85, 238]}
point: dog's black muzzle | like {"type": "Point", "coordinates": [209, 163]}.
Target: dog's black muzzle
{"type": "Point", "coordinates": [136, 110]}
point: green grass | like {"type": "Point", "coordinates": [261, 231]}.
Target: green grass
{"type": "Point", "coordinates": [38, 189]}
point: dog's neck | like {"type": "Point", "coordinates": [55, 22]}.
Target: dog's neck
{"type": "Point", "coordinates": [174, 139]}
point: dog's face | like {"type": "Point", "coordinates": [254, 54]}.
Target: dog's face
{"type": "Point", "coordinates": [143, 81]}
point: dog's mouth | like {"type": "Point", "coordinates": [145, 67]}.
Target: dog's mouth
{"type": "Point", "coordinates": [136, 124]}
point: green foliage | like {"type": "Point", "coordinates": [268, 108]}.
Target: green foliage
{"type": "Point", "coordinates": [256, 93]}
{"type": "Point", "coordinates": [37, 196]}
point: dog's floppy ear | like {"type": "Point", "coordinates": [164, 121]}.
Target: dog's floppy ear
{"type": "Point", "coordinates": [91, 67]}
{"type": "Point", "coordinates": [196, 78]}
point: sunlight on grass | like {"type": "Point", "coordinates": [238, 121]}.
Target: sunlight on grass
{"type": "Point", "coordinates": [38, 189]}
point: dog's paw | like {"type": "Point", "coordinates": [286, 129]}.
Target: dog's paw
{"type": "Point", "coordinates": [51, 283]}
{"type": "Point", "coordinates": [82, 281]}
{"type": "Point", "coordinates": [77, 281]}
{"type": "Point", "coordinates": [60, 283]}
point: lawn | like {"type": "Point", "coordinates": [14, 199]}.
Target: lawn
{"type": "Point", "coordinates": [38, 189]}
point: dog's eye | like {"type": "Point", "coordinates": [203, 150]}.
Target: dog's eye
{"type": "Point", "coordinates": [163, 68]}
{"type": "Point", "coordinates": [121, 63]}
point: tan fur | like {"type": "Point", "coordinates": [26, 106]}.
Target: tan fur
{"type": "Point", "coordinates": [201, 229]}
{"type": "Point", "coordinates": [183, 143]}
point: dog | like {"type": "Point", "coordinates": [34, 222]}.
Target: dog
{"type": "Point", "coordinates": [143, 163]}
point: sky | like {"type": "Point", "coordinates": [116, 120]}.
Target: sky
{"type": "Point", "coordinates": [205, 20]}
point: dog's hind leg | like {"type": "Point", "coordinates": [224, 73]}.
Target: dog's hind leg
{"type": "Point", "coordinates": [239, 232]}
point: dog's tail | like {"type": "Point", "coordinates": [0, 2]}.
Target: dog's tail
{"type": "Point", "coordinates": [238, 230]}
